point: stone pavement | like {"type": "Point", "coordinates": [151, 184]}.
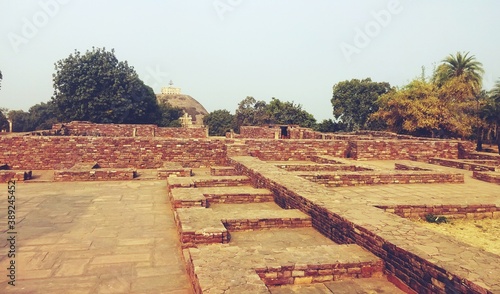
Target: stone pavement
{"type": "Point", "coordinates": [94, 237]}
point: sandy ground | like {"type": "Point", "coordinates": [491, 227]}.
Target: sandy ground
{"type": "Point", "coordinates": [483, 233]}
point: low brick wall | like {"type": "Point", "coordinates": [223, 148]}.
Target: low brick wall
{"type": "Point", "coordinates": [12, 175]}
{"type": "Point", "coordinates": [318, 273]}
{"type": "Point", "coordinates": [321, 167]}
{"type": "Point", "coordinates": [461, 164]}
{"type": "Point", "coordinates": [282, 150]}
{"type": "Point", "coordinates": [222, 171]}
{"type": "Point", "coordinates": [239, 198]}
{"type": "Point", "coordinates": [402, 149]}
{"type": "Point", "coordinates": [452, 211]}
{"type": "Point", "coordinates": [405, 166]}
{"type": "Point", "coordinates": [237, 225]}
{"type": "Point", "coordinates": [223, 181]}
{"type": "Point", "coordinates": [491, 177]}
{"type": "Point", "coordinates": [483, 156]}
{"type": "Point", "coordinates": [377, 178]}
{"type": "Point", "coordinates": [102, 174]}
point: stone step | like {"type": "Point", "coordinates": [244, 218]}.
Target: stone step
{"type": "Point", "coordinates": [223, 171]}
{"type": "Point", "coordinates": [222, 268]}
{"type": "Point", "coordinates": [346, 286]}
{"type": "Point", "coordinates": [236, 195]}
{"type": "Point", "coordinates": [203, 197]}
{"type": "Point", "coordinates": [173, 170]}
{"type": "Point", "coordinates": [198, 225]}
{"type": "Point", "coordinates": [208, 181]}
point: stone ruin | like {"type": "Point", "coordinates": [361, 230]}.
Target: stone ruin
{"type": "Point", "coordinates": [358, 190]}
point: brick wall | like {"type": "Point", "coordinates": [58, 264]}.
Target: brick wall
{"type": "Point", "coordinates": [295, 149]}
{"type": "Point", "coordinates": [60, 152]}
{"type": "Point", "coordinates": [83, 128]}
{"type": "Point", "coordinates": [470, 211]}
{"type": "Point", "coordinates": [258, 132]}
{"type": "Point", "coordinates": [402, 149]}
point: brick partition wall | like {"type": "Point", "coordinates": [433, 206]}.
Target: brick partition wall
{"type": "Point", "coordinates": [461, 164]}
{"type": "Point", "coordinates": [491, 177]}
{"type": "Point", "coordinates": [479, 211]}
{"type": "Point", "coordinates": [258, 132]}
{"type": "Point", "coordinates": [295, 149]}
{"type": "Point", "coordinates": [62, 152]}
{"type": "Point", "coordinates": [385, 236]}
{"type": "Point", "coordinates": [402, 149]}
{"type": "Point", "coordinates": [83, 128]}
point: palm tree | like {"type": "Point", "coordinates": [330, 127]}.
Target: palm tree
{"type": "Point", "coordinates": [460, 65]}
{"type": "Point", "coordinates": [491, 111]}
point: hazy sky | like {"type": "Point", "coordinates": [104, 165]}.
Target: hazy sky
{"type": "Point", "coordinates": [220, 51]}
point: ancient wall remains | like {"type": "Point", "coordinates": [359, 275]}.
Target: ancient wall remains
{"type": "Point", "coordinates": [60, 152]}
{"type": "Point", "coordinates": [402, 149]}
{"type": "Point", "coordinates": [295, 149]}
{"type": "Point", "coordinates": [267, 132]}
{"type": "Point", "coordinates": [83, 128]}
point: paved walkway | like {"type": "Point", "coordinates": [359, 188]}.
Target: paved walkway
{"type": "Point", "coordinates": [94, 237]}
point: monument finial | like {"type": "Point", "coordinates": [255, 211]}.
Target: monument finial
{"type": "Point", "coordinates": [171, 83]}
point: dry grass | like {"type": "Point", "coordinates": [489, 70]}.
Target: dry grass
{"type": "Point", "coordinates": [483, 233]}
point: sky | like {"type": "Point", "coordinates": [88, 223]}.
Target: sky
{"type": "Point", "coordinates": [221, 51]}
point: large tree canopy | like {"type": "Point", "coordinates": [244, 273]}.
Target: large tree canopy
{"type": "Point", "coordinates": [96, 87]}
{"type": "Point", "coordinates": [423, 109]}
{"type": "Point", "coordinates": [355, 100]}
{"type": "Point", "coordinates": [1, 77]}
{"type": "Point", "coordinates": [413, 109]}
{"type": "Point", "coordinates": [219, 122]}
{"type": "Point", "coordinates": [251, 112]}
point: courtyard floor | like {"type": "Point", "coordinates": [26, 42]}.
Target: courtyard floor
{"type": "Point", "coordinates": [94, 237]}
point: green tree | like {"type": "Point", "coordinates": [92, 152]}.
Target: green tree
{"type": "Point", "coordinates": [251, 112]}
{"type": "Point", "coordinates": [4, 124]}
{"type": "Point", "coordinates": [168, 115]}
{"type": "Point", "coordinates": [42, 116]}
{"type": "Point", "coordinates": [20, 121]}
{"type": "Point", "coordinates": [219, 122]}
{"type": "Point", "coordinates": [355, 100]}
{"type": "Point", "coordinates": [96, 87]}
{"type": "Point", "coordinates": [1, 77]}
{"type": "Point", "coordinates": [413, 109]}
{"type": "Point", "coordinates": [491, 112]}
{"type": "Point", "coordinates": [329, 126]}
{"type": "Point", "coordinates": [460, 65]}
{"type": "Point", "coordinates": [289, 113]}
